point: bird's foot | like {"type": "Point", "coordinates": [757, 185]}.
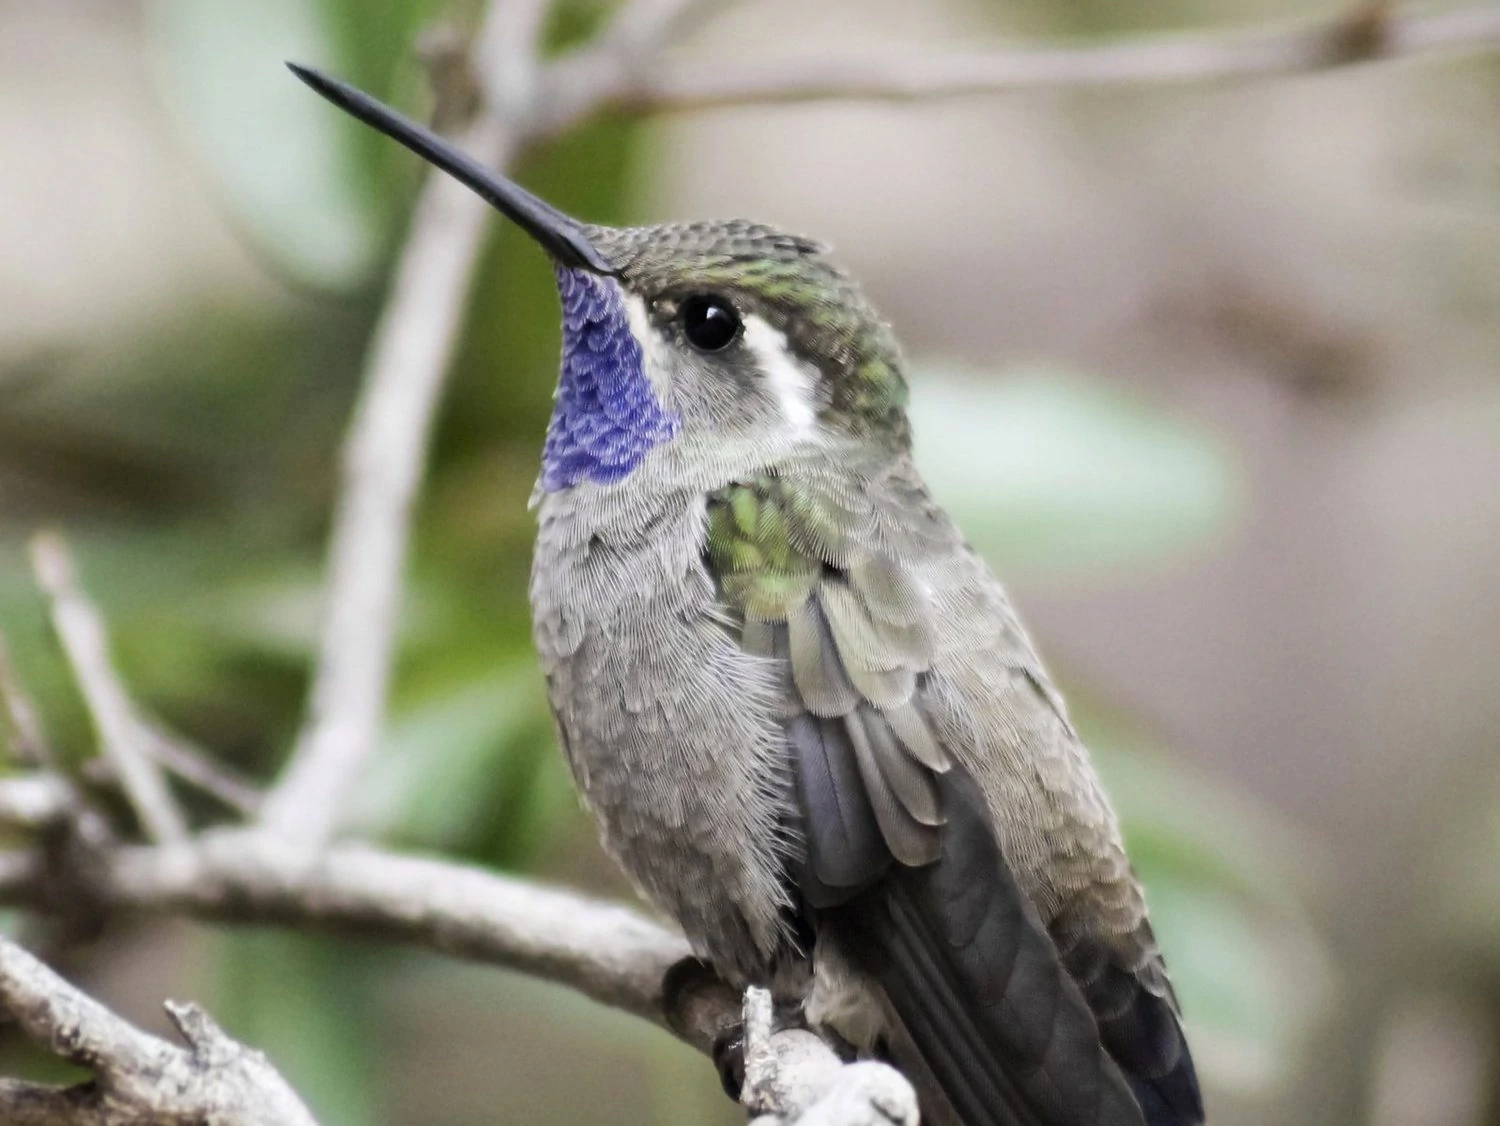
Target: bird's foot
{"type": "Point", "coordinates": [695, 999]}
{"type": "Point", "coordinates": [729, 1060]}
{"type": "Point", "coordinates": [730, 1045]}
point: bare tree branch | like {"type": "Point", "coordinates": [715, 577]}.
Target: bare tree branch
{"type": "Point", "coordinates": [138, 1078]}
{"type": "Point", "coordinates": [607, 951]}
{"type": "Point", "coordinates": [1370, 32]}
{"type": "Point", "coordinates": [86, 644]}
{"type": "Point", "coordinates": [643, 26]}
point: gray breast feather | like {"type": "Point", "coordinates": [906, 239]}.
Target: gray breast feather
{"type": "Point", "coordinates": [668, 724]}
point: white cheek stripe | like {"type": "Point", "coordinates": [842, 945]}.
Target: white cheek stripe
{"type": "Point", "coordinates": [653, 348]}
{"type": "Point", "coordinates": [788, 380]}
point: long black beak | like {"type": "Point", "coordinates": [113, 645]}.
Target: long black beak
{"type": "Point", "coordinates": [560, 235]}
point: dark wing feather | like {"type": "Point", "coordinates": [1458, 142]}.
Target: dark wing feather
{"type": "Point", "coordinates": [978, 985]}
{"type": "Point", "coordinates": [902, 868]}
{"type": "Point", "coordinates": [846, 850]}
{"type": "Point", "coordinates": [1138, 1022]}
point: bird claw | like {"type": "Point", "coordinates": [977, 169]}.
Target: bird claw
{"type": "Point", "coordinates": [729, 1060]}
{"type": "Point", "coordinates": [689, 986]}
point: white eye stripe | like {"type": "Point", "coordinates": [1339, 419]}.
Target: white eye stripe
{"type": "Point", "coordinates": [788, 379]}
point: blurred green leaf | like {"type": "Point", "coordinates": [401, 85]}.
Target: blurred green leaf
{"type": "Point", "coordinates": [304, 1002]}
{"type": "Point", "coordinates": [1176, 819]}
{"type": "Point", "coordinates": [457, 762]}
{"type": "Point", "coordinates": [1245, 1011]}
{"type": "Point", "coordinates": [1054, 471]}
{"type": "Point", "coordinates": [1226, 882]}
{"type": "Point", "coordinates": [284, 160]}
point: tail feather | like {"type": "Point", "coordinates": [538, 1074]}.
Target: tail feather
{"type": "Point", "coordinates": [978, 984]}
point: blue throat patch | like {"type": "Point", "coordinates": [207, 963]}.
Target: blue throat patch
{"type": "Point", "coordinates": [606, 417]}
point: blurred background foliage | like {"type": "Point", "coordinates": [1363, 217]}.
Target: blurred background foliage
{"type": "Point", "coordinates": [1208, 376]}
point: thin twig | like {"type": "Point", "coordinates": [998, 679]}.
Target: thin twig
{"type": "Point", "coordinates": [1183, 59]}
{"type": "Point", "coordinates": [755, 1035]}
{"type": "Point", "coordinates": [199, 769]}
{"type": "Point", "coordinates": [383, 466]}
{"type": "Point", "coordinates": [643, 26]}
{"type": "Point", "coordinates": [619, 60]}
{"type": "Point", "coordinates": [20, 718]}
{"type": "Point", "coordinates": [48, 797]}
{"type": "Point", "coordinates": [86, 645]}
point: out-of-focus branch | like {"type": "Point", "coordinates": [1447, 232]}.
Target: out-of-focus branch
{"type": "Point", "coordinates": [1367, 33]}
{"type": "Point", "coordinates": [86, 644]}
{"type": "Point", "coordinates": [137, 1078]}
{"type": "Point", "coordinates": [640, 30]}
{"type": "Point", "coordinates": [607, 951]}
{"type": "Point", "coordinates": [621, 60]}
{"type": "Point", "coordinates": [198, 769]}
{"type": "Point", "coordinates": [43, 800]}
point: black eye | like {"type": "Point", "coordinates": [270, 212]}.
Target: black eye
{"type": "Point", "coordinates": [710, 322]}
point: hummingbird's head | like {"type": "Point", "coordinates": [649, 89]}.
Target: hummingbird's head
{"type": "Point", "coordinates": [717, 335]}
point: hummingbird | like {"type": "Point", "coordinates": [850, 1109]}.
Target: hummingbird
{"type": "Point", "coordinates": [800, 707]}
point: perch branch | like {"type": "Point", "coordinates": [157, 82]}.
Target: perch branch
{"type": "Point", "coordinates": [137, 1078]}
{"type": "Point", "coordinates": [1367, 33]}
{"type": "Point", "coordinates": [607, 951]}
{"type": "Point", "coordinates": [792, 1076]}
